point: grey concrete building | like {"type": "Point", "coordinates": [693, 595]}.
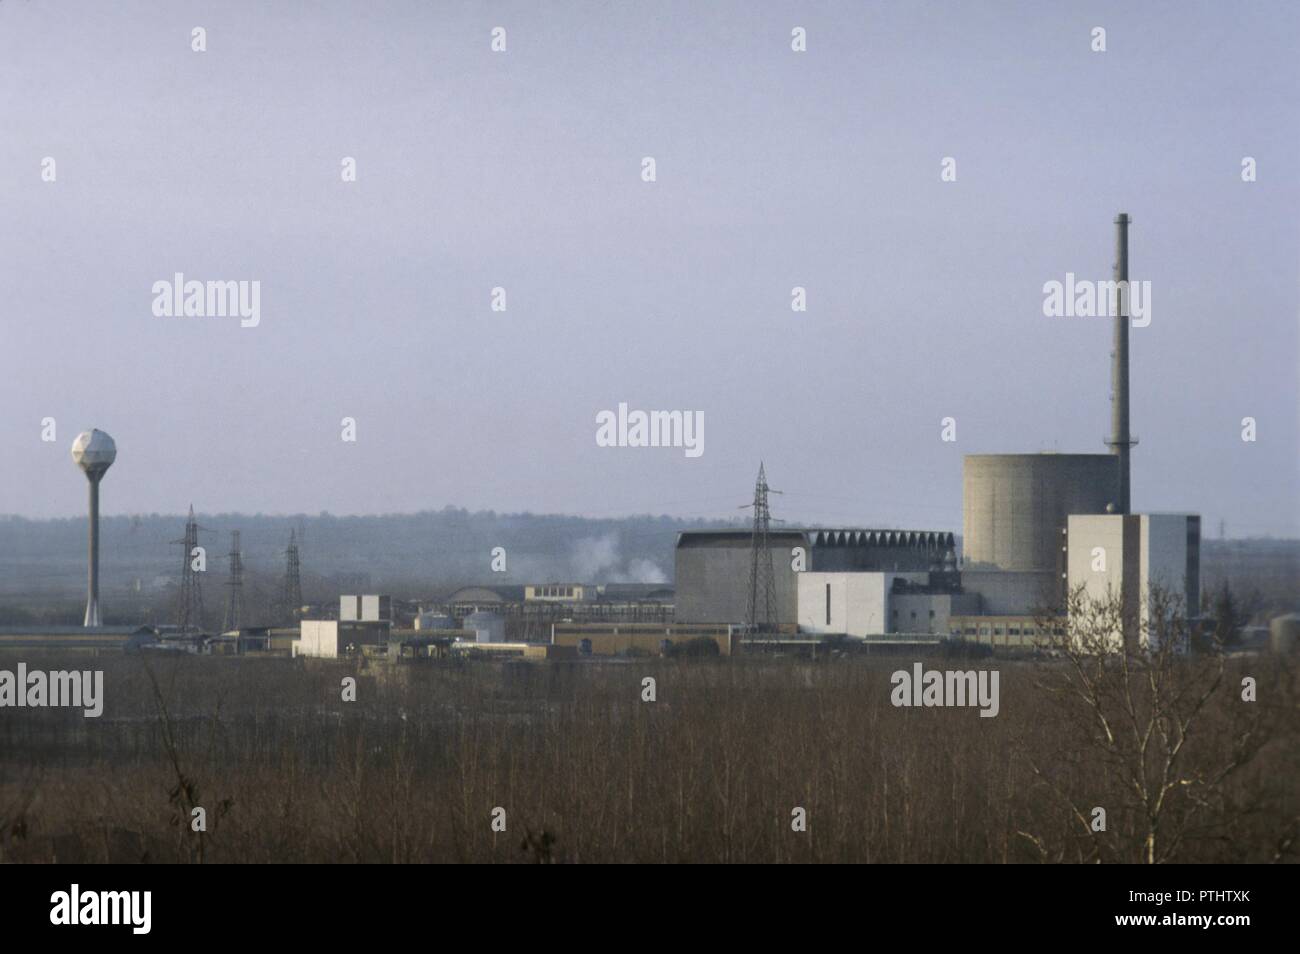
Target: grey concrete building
{"type": "Point", "coordinates": [1015, 592]}
{"type": "Point", "coordinates": [928, 612]}
{"type": "Point", "coordinates": [712, 566]}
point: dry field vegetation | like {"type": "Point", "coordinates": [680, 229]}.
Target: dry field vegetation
{"type": "Point", "coordinates": [710, 772]}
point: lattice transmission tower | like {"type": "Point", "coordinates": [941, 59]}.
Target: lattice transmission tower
{"type": "Point", "coordinates": [190, 604]}
{"type": "Point", "coordinates": [291, 592]}
{"type": "Point", "coordinates": [763, 612]}
{"type": "Point", "coordinates": [235, 584]}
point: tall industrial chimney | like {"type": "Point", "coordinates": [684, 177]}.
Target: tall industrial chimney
{"type": "Point", "coordinates": [1120, 440]}
{"type": "Point", "coordinates": [94, 452]}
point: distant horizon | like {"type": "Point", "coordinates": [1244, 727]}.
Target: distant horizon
{"type": "Point", "coordinates": [786, 524]}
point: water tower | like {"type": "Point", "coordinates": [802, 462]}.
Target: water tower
{"type": "Point", "coordinates": [94, 452]}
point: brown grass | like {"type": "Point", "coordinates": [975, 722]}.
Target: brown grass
{"type": "Point", "coordinates": [586, 771]}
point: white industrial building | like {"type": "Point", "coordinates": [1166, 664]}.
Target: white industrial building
{"type": "Point", "coordinates": [318, 638]}
{"type": "Point", "coordinates": [1128, 556]}
{"type": "Point", "coordinates": [331, 638]}
{"type": "Point", "coordinates": [365, 608]}
{"type": "Point", "coordinates": [867, 603]}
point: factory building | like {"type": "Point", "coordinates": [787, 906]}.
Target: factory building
{"type": "Point", "coordinates": [1010, 632]}
{"type": "Point", "coordinates": [653, 639]}
{"type": "Point", "coordinates": [254, 641]}
{"type": "Point", "coordinates": [1131, 555]}
{"type": "Point", "coordinates": [331, 638]}
{"type": "Point", "coordinates": [864, 604]}
{"type": "Point", "coordinates": [530, 610]}
{"type": "Point", "coordinates": [92, 640]}
{"type": "Point", "coordinates": [853, 603]}
{"type": "Point", "coordinates": [713, 566]}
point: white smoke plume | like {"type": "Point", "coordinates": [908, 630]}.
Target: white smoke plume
{"type": "Point", "coordinates": [598, 559]}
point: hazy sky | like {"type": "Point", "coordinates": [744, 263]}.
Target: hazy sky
{"type": "Point", "coordinates": [523, 170]}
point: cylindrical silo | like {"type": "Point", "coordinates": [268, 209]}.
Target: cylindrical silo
{"type": "Point", "coordinates": [1015, 505]}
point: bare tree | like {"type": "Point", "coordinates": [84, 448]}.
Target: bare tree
{"type": "Point", "coordinates": [1155, 731]}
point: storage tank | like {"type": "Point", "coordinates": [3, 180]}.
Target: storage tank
{"type": "Point", "coordinates": [1014, 506]}
{"type": "Point", "coordinates": [488, 627]}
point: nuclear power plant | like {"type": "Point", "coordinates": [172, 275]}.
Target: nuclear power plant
{"type": "Point", "coordinates": [94, 452]}
{"type": "Point", "coordinates": [1035, 528]}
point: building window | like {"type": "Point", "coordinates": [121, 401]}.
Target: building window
{"type": "Point", "coordinates": [828, 603]}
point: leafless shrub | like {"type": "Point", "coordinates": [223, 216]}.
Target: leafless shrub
{"type": "Point", "coordinates": [1154, 734]}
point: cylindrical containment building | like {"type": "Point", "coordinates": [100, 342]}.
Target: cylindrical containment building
{"type": "Point", "coordinates": [1015, 505]}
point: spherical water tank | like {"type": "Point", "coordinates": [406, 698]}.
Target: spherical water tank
{"type": "Point", "coordinates": [94, 452]}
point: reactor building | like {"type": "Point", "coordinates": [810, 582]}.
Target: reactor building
{"type": "Point", "coordinates": [1014, 513]}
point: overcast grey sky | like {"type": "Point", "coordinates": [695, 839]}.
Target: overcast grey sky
{"type": "Point", "coordinates": [522, 169]}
